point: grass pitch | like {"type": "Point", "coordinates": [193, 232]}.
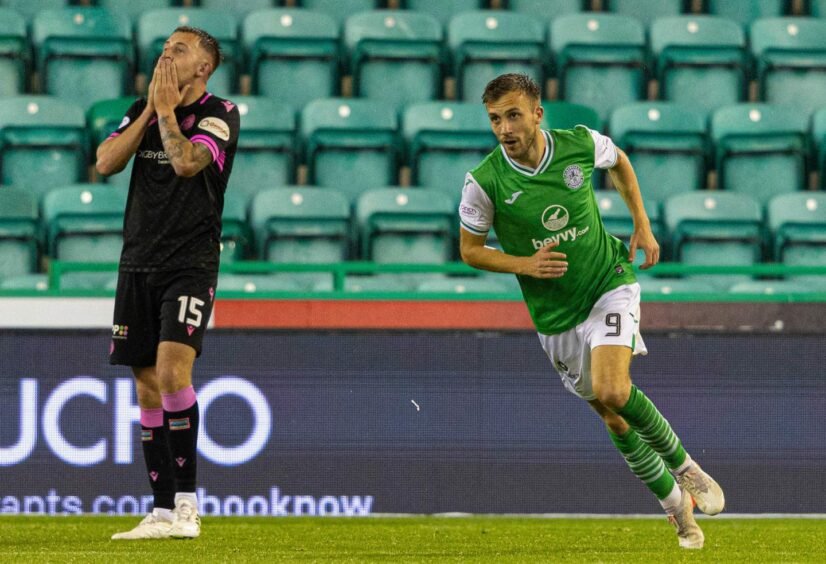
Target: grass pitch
{"type": "Point", "coordinates": [414, 539]}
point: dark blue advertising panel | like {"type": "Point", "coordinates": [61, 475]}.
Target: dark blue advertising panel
{"type": "Point", "coordinates": [360, 423]}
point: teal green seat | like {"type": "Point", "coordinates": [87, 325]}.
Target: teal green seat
{"type": "Point", "coordinates": [774, 287]}
{"type": "Point", "coordinates": [746, 11]}
{"type": "Point", "coordinates": [714, 228]}
{"type": "Point", "coordinates": [650, 285]}
{"type": "Point", "coordinates": [42, 143]}
{"type": "Point", "coordinates": [442, 10]}
{"type": "Point", "coordinates": [701, 61]}
{"type": "Point", "coordinates": [103, 118]}
{"type": "Point", "coordinates": [266, 154]}
{"type": "Point", "coordinates": [760, 149]}
{"type": "Point", "coordinates": [19, 232]}
{"type": "Point", "coordinates": [290, 47]}
{"type": "Point", "coordinates": [155, 26]}
{"type": "Point", "coordinates": [301, 224]}
{"type": "Point", "coordinates": [14, 53]}
{"type": "Point", "coordinates": [83, 54]}
{"type": "Point", "coordinates": [30, 8]}
{"type": "Point", "coordinates": [236, 235]}
{"type": "Point", "coordinates": [255, 283]}
{"type": "Point", "coordinates": [89, 281]}
{"type": "Point", "coordinates": [646, 11]}
{"type": "Point", "coordinates": [594, 51]}
{"type": "Point", "coordinates": [395, 56]}
{"type": "Point", "coordinates": [350, 144]}
{"type": "Point", "coordinates": [797, 223]}
{"type": "Point", "coordinates": [133, 9]}
{"type": "Point", "coordinates": [818, 8]}
{"type": "Point", "coordinates": [487, 43]}
{"type": "Point", "coordinates": [339, 10]}
{"type": "Point", "coordinates": [84, 222]}
{"type": "Point", "coordinates": [463, 285]}
{"type": "Point", "coordinates": [239, 9]}
{"type": "Point", "coordinates": [617, 219]}
{"type": "Point", "coordinates": [385, 283]}
{"type": "Point", "coordinates": [567, 115]}
{"type": "Point", "coordinates": [548, 9]}
{"type": "Point", "coordinates": [819, 138]}
{"type": "Point", "coordinates": [406, 225]}
{"type": "Point", "coordinates": [31, 282]}
{"type": "Point", "coordinates": [444, 140]}
{"type": "Point", "coordinates": [667, 145]}
{"type": "Point", "coordinates": [790, 55]}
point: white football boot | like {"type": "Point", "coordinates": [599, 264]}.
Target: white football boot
{"type": "Point", "coordinates": [689, 533]}
{"type": "Point", "coordinates": [152, 527]}
{"type": "Point", "coordinates": [187, 523]}
{"type": "Point", "coordinates": [707, 494]}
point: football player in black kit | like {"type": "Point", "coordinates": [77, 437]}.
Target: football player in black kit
{"type": "Point", "coordinates": [183, 139]}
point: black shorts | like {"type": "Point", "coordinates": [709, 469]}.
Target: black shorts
{"type": "Point", "coordinates": [160, 306]}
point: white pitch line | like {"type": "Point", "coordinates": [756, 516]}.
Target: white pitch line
{"type": "Point", "coordinates": [416, 404]}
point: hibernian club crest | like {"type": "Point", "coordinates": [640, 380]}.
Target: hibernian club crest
{"type": "Point", "coordinates": [573, 176]}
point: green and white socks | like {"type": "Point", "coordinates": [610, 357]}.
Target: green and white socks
{"type": "Point", "coordinates": [651, 448]}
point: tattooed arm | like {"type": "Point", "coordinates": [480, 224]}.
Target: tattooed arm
{"type": "Point", "coordinates": [187, 158]}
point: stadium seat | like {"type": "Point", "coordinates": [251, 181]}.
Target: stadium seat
{"type": "Point", "coordinates": [133, 9]}
{"type": "Point", "coordinates": [395, 56]}
{"type": "Point", "coordinates": [818, 8]}
{"type": "Point", "coordinates": [650, 285]}
{"type": "Point", "coordinates": [350, 144]}
{"type": "Point", "coordinates": [797, 223]}
{"type": "Point", "coordinates": [255, 283]}
{"type": "Point", "coordinates": [292, 55]}
{"type": "Point", "coordinates": [92, 282]}
{"type": "Point", "coordinates": [103, 118]}
{"type": "Point", "coordinates": [463, 285]}
{"type": "Point", "coordinates": [339, 10]}
{"type": "Point", "coordinates": [30, 8]}
{"type": "Point", "coordinates": [84, 222]}
{"type": "Point", "coordinates": [239, 9]}
{"type": "Point", "coordinates": [42, 143]}
{"type": "Point", "coordinates": [266, 154]}
{"type": "Point", "coordinates": [487, 43]}
{"type": "Point", "coordinates": [599, 60]}
{"type": "Point", "coordinates": [18, 232]}
{"type": "Point", "coordinates": [443, 10]}
{"type": "Point", "coordinates": [701, 61]}
{"type": "Point", "coordinates": [746, 11]}
{"type": "Point", "coordinates": [714, 228]}
{"type": "Point", "coordinates": [567, 115]}
{"type": "Point", "coordinates": [403, 225]}
{"type": "Point", "coordinates": [301, 224]}
{"type": "Point", "coordinates": [385, 283]}
{"type": "Point", "coordinates": [236, 237]}
{"type": "Point", "coordinates": [617, 219]}
{"type": "Point", "coordinates": [774, 287]}
{"type": "Point", "coordinates": [548, 9]}
{"type": "Point", "coordinates": [819, 138]}
{"type": "Point", "coordinates": [28, 282]}
{"type": "Point", "coordinates": [14, 53]}
{"type": "Point", "coordinates": [444, 140]}
{"type": "Point", "coordinates": [83, 54]}
{"type": "Point", "coordinates": [760, 149]}
{"type": "Point", "coordinates": [790, 56]}
{"type": "Point", "coordinates": [666, 144]}
{"type": "Point", "coordinates": [646, 11]}
{"type": "Point", "coordinates": [155, 26]}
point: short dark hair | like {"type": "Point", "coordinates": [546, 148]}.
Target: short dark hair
{"type": "Point", "coordinates": [511, 82]}
{"type": "Point", "coordinates": [206, 42]}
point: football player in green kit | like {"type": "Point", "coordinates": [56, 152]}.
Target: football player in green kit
{"type": "Point", "coordinates": [535, 191]}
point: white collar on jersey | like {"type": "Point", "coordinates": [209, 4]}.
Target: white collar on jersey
{"type": "Point", "coordinates": [547, 156]}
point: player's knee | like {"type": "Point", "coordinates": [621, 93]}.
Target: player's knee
{"type": "Point", "coordinates": [173, 377]}
{"type": "Point", "coordinates": [613, 395]}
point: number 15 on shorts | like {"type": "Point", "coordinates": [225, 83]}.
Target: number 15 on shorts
{"type": "Point", "coordinates": [190, 310]}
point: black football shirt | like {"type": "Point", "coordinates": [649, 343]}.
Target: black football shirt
{"type": "Point", "coordinates": [173, 222]}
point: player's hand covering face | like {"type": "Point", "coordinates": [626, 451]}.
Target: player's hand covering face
{"type": "Point", "coordinates": [167, 95]}
{"type": "Point", "coordinates": [515, 121]}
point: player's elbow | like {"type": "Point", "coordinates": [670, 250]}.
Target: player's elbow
{"type": "Point", "coordinates": [106, 167]}
{"type": "Point", "coordinates": [185, 170]}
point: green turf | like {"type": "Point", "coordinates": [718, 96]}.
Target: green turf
{"type": "Point", "coordinates": [414, 539]}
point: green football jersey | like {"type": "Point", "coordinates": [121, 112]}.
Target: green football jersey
{"type": "Point", "coordinates": [554, 202]}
